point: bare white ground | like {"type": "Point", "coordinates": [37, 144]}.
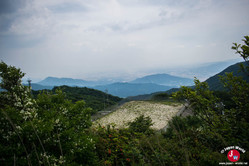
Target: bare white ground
{"type": "Point", "coordinates": [158, 112]}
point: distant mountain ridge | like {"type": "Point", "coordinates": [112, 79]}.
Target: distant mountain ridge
{"type": "Point", "coordinates": [132, 89]}
{"type": "Point", "coordinates": [214, 81]}
{"type": "Point", "coordinates": [165, 79]}
{"type": "Point", "coordinates": [54, 81]}
{"type": "Point", "coordinates": [140, 86]}
{"type": "Point", "coordinates": [39, 87]}
{"type": "Point", "coordinates": [160, 79]}
{"type": "Point", "coordinates": [206, 70]}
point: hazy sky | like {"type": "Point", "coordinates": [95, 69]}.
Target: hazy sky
{"type": "Point", "coordinates": [98, 38]}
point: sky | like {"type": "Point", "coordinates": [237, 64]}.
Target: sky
{"type": "Point", "coordinates": [93, 39]}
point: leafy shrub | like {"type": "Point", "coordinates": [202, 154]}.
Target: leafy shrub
{"type": "Point", "coordinates": [161, 96]}
{"type": "Point", "coordinates": [141, 124]}
{"type": "Point", "coordinates": [117, 147]}
{"type": "Point", "coordinates": [48, 131]}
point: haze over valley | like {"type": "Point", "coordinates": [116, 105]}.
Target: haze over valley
{"type": "Point", "coordinates": [120, 40]}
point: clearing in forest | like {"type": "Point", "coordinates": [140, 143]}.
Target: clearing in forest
{"type": "Point", "coordinates": [159, 112]}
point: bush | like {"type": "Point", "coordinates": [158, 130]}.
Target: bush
{"type": "Point", "coordinates": [141, 124]}
{"type": "Point", "coordinates": [161, 96]}
{"type": "Point", "coordinates": [117, 147]}
{"type": "Point", "coordinates": [48, 131]}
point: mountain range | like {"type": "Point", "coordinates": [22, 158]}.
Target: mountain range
{"type": "Point", "coordinates": [165, 79]}
{"type": "Point", "coordinates": [54, 81]}
{"type": "Point", "coordinates": [144, 85]}
{"type": "Point", "coordinates": [140, 86]}
{"type": "Point", "coordinates": [36, 86]}
{"type": "Point", "coordinates": [131, 89]}
{"type": "Point", "coordinates": [204, 71]}
{"type": "Point", "coordinates": [214, 82]}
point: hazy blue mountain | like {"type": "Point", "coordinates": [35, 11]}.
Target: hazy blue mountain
{"type": "Point", "coordinates": [140, 86]}
{"type": "Point", "coordinates": [131, 89]}
{"type": "Point", "coordinates": [206, 70]}
{"type": "Point", "coordinates": [165, 79]}
{"type": "Point", "coordinates": [39, 87]}
{"type": "Point", "coordinates": [214, 81]}
{"type": "Point", "coordinates": [53, 81]}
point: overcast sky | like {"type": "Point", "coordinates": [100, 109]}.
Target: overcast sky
{"type": "Point", "coordinates": [90, 39]}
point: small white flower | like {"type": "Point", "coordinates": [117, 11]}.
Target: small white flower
{"type": "Point", "coordinates": [57, 121]}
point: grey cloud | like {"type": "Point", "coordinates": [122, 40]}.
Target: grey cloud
{"type": "Point", "coordinates": [146, 2]}
{"type": "Point", "coordinates": [116, 27]}
{"type": "Point", "coordinates": [88, 37]}
{"type": "Point", "coordinates": [15, 42]}
{"type": "Point", "coordinates": [10, 6]}
{"type": "Point", "coordinates": [68, 7]}
{"type": "Point", "coordinates": [5, 22]}
{"type": "Point", "coordinates": [186, 3]}
{"type": "Point", "coordinates": [9, 12]}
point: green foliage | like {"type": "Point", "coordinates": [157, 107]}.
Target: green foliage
{"type": "Point", "coordinates": [10, 77]}
{"type": "Point", "coordinates": [201, 99]}
{"type": "Point", "coordinates": [117, 147]}
{"type": "Point", "coordinates": [216, 84]}
{"type": "Point", "coordinates": [243, 50]}
{"type": "Point", "coordinates": [49, 131]}
{"type": "Point", "coordinates": [141, 124]}
{"type": "Point", "coordinates": [178, 124]}
{"type": "Point", "coordinates": [225, 98]}
{"type": "Point", "coordinates": [95, 99]}
{"type": "Point", "coordinates": [161, 96]}
{"type": "Point", "coordinates": [224, 121]}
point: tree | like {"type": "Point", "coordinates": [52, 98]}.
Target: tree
{"type": "Point", "coordinates": [141, 124]}
{"type": "Point", "coordinates": [243, 50]}
{"type": "Point", "coordinates": [220, 126]}
{"type": "Point", "coordinates": [16, 109]}
{"type": "Point", "coordinates": [48, 131]}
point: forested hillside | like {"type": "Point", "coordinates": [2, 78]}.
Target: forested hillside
{"type": "Point", "coordinates": [215, 83]}
{"type": "Point", "coordinates": [95, 99]}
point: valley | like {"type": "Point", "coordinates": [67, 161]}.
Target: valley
{"type": "Point", "coordinates": [148, 84]}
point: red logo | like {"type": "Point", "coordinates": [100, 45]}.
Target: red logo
{"type": "Point", "coordinates": [233, 155]}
